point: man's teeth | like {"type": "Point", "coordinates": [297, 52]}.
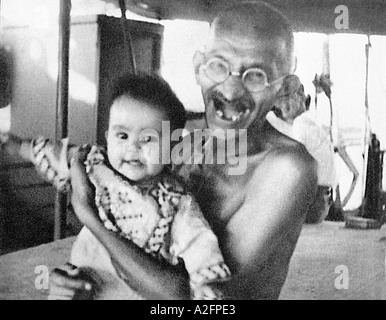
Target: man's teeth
{"type": "Point", "coordinates": [220, 113]}
{"type": "Point", "coordinates": [234, 118]}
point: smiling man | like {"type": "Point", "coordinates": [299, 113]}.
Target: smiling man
{"type": "Point", "coordinates": [258, 214]}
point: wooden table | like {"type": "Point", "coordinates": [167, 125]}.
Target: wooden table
{"type": "Point", "coordinates": [321, 249]}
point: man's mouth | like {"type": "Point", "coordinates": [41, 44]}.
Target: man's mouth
{"type": "Point", "coordinates": [230, 111]}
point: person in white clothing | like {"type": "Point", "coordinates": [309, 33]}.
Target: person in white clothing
{"type": "Point", "coordinates": [292, 117]}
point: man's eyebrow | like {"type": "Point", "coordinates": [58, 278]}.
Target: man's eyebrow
{"type": "Point", "coordinates": [215, 54]}
{"type": "Point", "coordinates": [256, 65]}
{"type": "Point", "coordinates": [248, 65]}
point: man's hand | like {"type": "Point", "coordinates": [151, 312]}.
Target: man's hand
{"type": "Point", "coordinates": [83, 192]}
{"type": "Point", "coordinates": [71, 283]}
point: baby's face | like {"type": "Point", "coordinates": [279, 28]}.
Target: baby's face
{"type": "Point", "coordinates": [134, 138]}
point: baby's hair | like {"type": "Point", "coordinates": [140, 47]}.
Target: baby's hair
{"type": "Point", "coordinates": [153, 90]}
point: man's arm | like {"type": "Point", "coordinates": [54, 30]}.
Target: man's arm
{"type": "Point", "coordinates": [262, 234]}
{"type": "Point", "coordinates": [149, 277]}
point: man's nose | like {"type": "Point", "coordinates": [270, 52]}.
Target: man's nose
{"type": "Point", "coordinates": [233, 88]}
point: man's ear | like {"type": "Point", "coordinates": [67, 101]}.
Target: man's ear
{"type": "Point", "coordinates": [198, 61]}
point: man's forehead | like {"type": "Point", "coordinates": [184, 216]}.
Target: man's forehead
{"type": "Point", "coordinates": [245, 40]}
{"type": "Point", "coordinates": [248, 37]}
{"type": "Point", "coordinates": [245, 49]}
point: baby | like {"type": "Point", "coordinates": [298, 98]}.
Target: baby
{"type": "Point", "coordinates": [136, 195]}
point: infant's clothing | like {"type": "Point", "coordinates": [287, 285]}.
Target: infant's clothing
{"type": "Point", "coordinates": [159, 216]}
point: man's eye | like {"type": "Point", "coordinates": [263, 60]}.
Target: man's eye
{"type": "Point", "coordinates": [122, 136]}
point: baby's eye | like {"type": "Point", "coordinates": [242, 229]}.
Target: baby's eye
{"type": "Point", "coordinates": [148, 139]}
{"type": "Point", "coordinates": [122, 135]}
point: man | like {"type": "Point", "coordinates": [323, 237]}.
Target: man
{"type": "Point", "coordinates": [257, 215]}
{"type": "Point", "coordinates": [292, 117]}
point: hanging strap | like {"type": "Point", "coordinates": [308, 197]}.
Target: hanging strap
{"type": "Point", "coordinates": [128, 42]}
{"type": "Point", "coordinates": [368, 46]}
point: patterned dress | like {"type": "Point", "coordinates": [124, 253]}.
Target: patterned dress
{"type": "Point", "coordinates": [159, 216]}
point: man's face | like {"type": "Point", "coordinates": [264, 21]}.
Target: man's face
{"type": "Point", "coordinates": [229, 105]}
{"type": "Point", "coordinates": [133, 139]}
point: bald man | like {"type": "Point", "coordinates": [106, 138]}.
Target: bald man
{"type": "Point", "coordinates": [257, 214]}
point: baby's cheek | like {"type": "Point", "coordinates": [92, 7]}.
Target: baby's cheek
{"type": "Point", "coordinates": [152, 153]}
{"type": "Point", "coordinates": [113, 158]}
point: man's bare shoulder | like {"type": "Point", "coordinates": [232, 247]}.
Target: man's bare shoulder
{"type": "Point", "coordinates": [280, 150]}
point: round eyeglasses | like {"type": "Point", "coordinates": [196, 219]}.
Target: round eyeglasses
{"type": "Point", "coordinates": [254, 79]}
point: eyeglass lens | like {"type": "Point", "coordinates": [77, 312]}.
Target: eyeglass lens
{"type": "Point", "coordinates": [219, 71]}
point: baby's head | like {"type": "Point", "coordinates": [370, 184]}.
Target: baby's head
{"type": "Point", "coordinates": [290, 99]}
{"type": "Point", "coordinates": [139, 105]}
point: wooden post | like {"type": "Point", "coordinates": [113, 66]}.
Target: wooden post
{"type": "Point", "coordinates": [62, 105]}
{"type": "Point", "coordinates": [127, 39]}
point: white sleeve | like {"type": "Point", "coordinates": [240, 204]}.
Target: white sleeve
{"type": "Point", "coordinates": [194, 242]}
{"type": "Point", "coordinates": [50, 160]}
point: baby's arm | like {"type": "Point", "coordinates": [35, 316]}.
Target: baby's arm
{"type": "Point", "coordinates": [51, 159]}
{"type": "Point", "coordinates": [194, 241]}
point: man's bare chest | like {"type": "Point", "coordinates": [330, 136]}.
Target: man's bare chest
{"type": "Point", "coordinates": [220, 196]}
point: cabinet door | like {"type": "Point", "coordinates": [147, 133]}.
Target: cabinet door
{"type": "Point", "coordinates": [115, 60]}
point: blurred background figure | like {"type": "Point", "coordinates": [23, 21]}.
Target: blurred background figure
{"type": "Point", "coordinates": [292, 117]}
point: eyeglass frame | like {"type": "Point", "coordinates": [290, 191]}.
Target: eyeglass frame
{"type": "Point", "coordinates": [241, 75]}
